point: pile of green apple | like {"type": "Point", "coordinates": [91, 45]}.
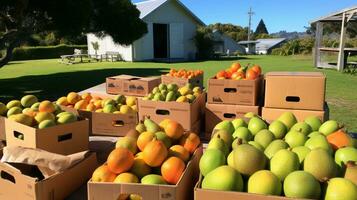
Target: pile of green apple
{"type": "Point", "coordinates": [284, 158]}
{"type": "Point", "coordinates": [171, 92]}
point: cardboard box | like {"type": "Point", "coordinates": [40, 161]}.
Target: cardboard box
{"type": "Point", "coordinates": [236, 92]}
{"type": "Point", "coordinates": [131, 85]}
{"type": "Point", "coordinates": [271, 114]}
{"type": "Point", "coordinates": [180, 82]}
{"type": "Point", "coordinates": [216, 113]}
{"type": "Point", "coordinates": [61, 139]}
{"type": "Point", "coordinates": [183, 190]}
{"type": "Point", "coordinates": [2, 128]}
{"type": "Point", "coordinates": [16, 184]}
{"type": "Point", "coordinates": [187, 114]}
{"type": "Point", "coordinates": [295, 90]}
{"type": "Point", "coordinates": [107, 124]}
{"type": "Point", "coordinates": [204, 194]}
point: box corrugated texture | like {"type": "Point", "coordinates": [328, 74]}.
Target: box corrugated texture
{"type": "Point", "coordinates": [183, 190]}
{"type": "Point", "coordinates": [295, 90]}
{"type": "Point", "coordinates": [180, 82]}
{"type": "Point", "coordinates": [187, 114]}
{"type": "Point", "coordinates": [131, 85]}
{"type": "Point", "coordinates": [15, 184]}
{"type": "Point", "coordinates": [216, 113]}
{"type": "Point", "coordinates": [271, 114]}
{"type": "Point", "coordinates": [237, 92]}
{"type": "Point", "coordinates": [61, 139]}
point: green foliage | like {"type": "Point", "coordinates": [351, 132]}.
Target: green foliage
{"type": "Point", "coordinates": [261, 28]}
{"type": "Point", "coordinates": [237, 33]}
{"type": "Point", "coordinates": [204, 42]}
{"type": "Point", "coordinates": [21, 19]}
{"type": "Point", "coordinates": [45, 52]}
{"type": "Point", "coordinates": [296, 46]}
{"type": "Point", "coordinates": [263, 36]}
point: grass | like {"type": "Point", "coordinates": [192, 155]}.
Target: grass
{"type": "Point", "coordinates": [48, 79]}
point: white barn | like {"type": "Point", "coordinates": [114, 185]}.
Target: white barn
{"type": "Point", "coordinates": [226, 45]}
{"type": "Point", "coordinates": [171, 28]}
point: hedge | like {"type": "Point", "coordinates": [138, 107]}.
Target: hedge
{"type": "Point", "coordinates": [45, 52]}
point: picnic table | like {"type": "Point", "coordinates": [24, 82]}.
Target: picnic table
{"type": "Point", "coordinates": [71, 59]}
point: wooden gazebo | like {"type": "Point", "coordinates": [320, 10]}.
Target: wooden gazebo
{"type": "Point", "coordinates": [343, 16]}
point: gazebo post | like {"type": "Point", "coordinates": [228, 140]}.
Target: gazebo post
{"type": "Point", "coordinates": [341, 52]}
{"type": "Point", "coordinates": [318, 41]}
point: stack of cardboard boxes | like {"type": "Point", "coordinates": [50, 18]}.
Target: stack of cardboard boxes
{"type": "Point", "coordinates": [302, 93]}
{"type": "Point", "coordinates": [187, 114]}
{"type": "Point", "coordinates": [23, 181]}
{"type": "Point", "coordinates": [229, 99]}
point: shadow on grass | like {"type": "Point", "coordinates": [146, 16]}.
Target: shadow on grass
{"type": "Point", "coordinates": [54, 86]}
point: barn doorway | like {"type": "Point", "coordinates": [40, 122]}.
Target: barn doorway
{"type": "Point", "coordinates": [161, 38]}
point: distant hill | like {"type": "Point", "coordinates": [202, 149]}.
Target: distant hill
{"type": "Point", "coordinates": [289, 35]}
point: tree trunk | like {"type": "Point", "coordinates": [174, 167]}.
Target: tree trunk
{"type": "Point", "coordinates": [9, 53]}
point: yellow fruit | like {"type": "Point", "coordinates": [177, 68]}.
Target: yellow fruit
{"type": "Point", "coordinates": [185, 91]}
{"type": "Point", "coordinates": [164, 122]}
{"type": "Point", "coordinates": [29, 111]}
{"type": "Point", "coordinates": [47, 106]}
{"type": "Point", "coordinates": [46, 123]}
{"type": "Point", "coordinates": [28, 100]}
{"type": "Point", "coordinates": [126, 178]}
{"type": "Point", "coordinates": [135, 108]}
{"type": "Point", "coordinates": [67, 118]}
{"type": "Point", "coordinates": [86, 97]}
{"type": "Point", "coordinates": [182, 99]}
{"type": "Point", "coordinates": [73, 98]}
{"type": "Point", "coordinates": [81, 105]}
{"type": "Point", "coordinates": [41, 116]}
{"type": "Point", "coordinates": [130, 101]}
{"type": "Point", "coordinates": [62, 101]}
{"type": "Point", "coordinates": [90, 107]}
{"type": "Point", "coordinates": [22, 119]}
{"type": "Point", "coordinates": [99, 110]}
{"type": "Point", "coordinates": [126, 109]}
{"type": "Point", "coordinates": [13, 103]}
{"type": "Point", "coordinates": [14, 111]}
{"type": "Point", "coordinates": [98, 104]}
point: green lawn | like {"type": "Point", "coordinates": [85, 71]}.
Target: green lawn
{"type": "Point", "coordinates": [49, 79]}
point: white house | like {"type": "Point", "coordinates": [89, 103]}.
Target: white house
{"type": "Point", "coordinates": [226, 45]}
{"type": "Point", "coordinates": [171, 29]}
{"type": "Point", "coordinates": [265, 46]}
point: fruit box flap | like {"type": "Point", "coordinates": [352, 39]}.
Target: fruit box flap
{"type": "Point", "coordinates": [125, 77]}
{"type": "Point", "coordinates": [18, 170]}
{"type": "Point", "coordinates": [309, 74]}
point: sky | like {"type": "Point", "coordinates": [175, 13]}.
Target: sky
{"type": "Point", "coordinates": [278, 15]}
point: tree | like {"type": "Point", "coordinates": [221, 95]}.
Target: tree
{"type": "Point", "coordinates": [204, 42]}
{"type": "Point", "coordinates": [237, 33]}
{"type": "Point", "coordinates": [19, 19]}
{"type": "Point", "coordinates": [261, 28]}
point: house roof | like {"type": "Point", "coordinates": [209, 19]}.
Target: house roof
{"type": "Point", "coordinates": [248, 42]}
{"type": "Point", "coordinates": [265, 44]}
{"type": "Point", "coordinates": [149, 6]}
{"type": "Point", "coordinates": [351, 13]}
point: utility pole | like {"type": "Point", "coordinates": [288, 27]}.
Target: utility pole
{"type": "Point", "coordinates": [250, 14]}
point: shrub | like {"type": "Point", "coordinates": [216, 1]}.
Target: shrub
{"type": "Point", "coordinates": [45, 52]}
{"type": "Point", "coordinates": [204, 43]}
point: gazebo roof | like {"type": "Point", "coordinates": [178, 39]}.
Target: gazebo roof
{"type": "Point", "coordinates": [351, 14]}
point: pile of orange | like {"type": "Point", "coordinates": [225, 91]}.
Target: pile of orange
{"type": "Point", "coordinates": [150, 154]}
{"type": "Point", "coordinates": [183, 73]}
{"type": "Point", "coordinates": [237, 72]}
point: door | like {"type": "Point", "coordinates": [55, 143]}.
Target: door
{"type": "Point", "coordinates": [160, 40]}
{"type": "Point", "coordinates": [176, 40]}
